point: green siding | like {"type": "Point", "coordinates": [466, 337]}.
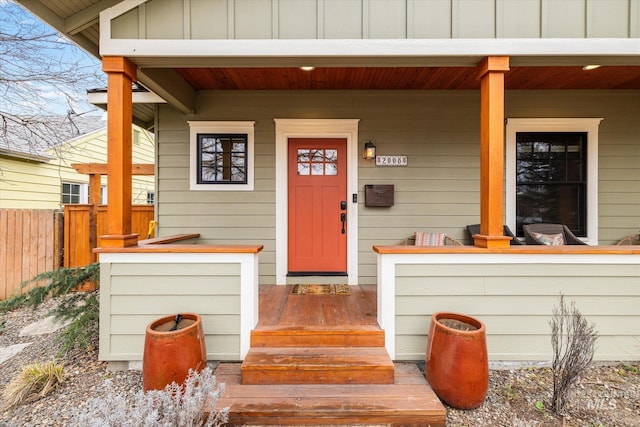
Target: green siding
{"type": "Point", "coordinates": [515, 301]}
{"type": "Point", "coordinates": [619, 150]}
{"type": "Point", "coordinates": [342, 20]}
{"type": "Point", "coordinates": [378, 19]}
{"type": "Point", "coordinates": [134, 294]}
{"type": "Point", "coordinates": [519, 19]}
{"type": "Point", "coordinates": [437, 191]}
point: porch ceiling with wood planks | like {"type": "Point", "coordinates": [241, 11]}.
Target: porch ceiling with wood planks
{"type": "Point", "coordinates": [408, 78]}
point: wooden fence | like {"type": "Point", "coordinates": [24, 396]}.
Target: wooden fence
{"type": "Point", "coordinates": [33, 241]}
{"type": "Point", "coordinates": [30, 243]}
{"type": "Point", "coordinates": [81, 231]}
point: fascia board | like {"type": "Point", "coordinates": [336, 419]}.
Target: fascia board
{"type": "Point", "coordinates": [137, 48]}
{"type": "Point", "coordinates": [26, 156]}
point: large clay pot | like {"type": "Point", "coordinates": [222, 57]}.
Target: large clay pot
{"type": "Point", "coordinates": [171, 349]}
{"type": "Point", "coordinates": [457, 364]}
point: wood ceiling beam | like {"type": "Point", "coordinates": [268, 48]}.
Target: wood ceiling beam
{"type": "Point", "coordinates": [170, 86]}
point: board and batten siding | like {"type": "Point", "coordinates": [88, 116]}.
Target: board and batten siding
{"type": "Point", "coordinates": [379, 19]}
{"type": "Point", "coordinates": [515, 300]}
{"type": "Point", "coordinates": [438, 191]}
{"type": "Point", "coordinates": [132, 295]}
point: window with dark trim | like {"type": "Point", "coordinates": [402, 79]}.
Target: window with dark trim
{"type": "Point", "coordinates": [551, 179]}
{"type": "Point", "coordinates": [222, 158]}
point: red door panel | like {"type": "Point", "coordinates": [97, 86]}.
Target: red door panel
{"type": "Point", "coordinates": [317, 185]}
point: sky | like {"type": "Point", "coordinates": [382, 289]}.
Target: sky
{"type": "Point", "coordinates": [49, 98]}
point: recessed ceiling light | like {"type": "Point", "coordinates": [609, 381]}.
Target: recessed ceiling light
{"type": "Point", "coordinates": [590, 67]}
{"type": "Point", "coordinates": [307, 68]}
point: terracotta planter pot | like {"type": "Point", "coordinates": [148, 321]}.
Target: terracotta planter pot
{"type": "Point", "coordinates": [457, 364]}
{"type": "Point", "coordinates": [169, 354]}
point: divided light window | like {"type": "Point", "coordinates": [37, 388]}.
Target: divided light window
{"type": "Point", "coordinates": [221, 155]}
{"type": "Point", "coordinates": [70, 193]}
{"type": "Point", "coordinates": [222, 158]}
{"type": "Point", "coordinates": [551, 179]}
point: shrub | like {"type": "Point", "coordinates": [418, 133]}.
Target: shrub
{"type": "Point", "coordinates": [34, 382]}
{"type": "Point", "coordinates": [80, 308]}
{"type": "Point", "coordinates": [573, 342]}
{"type": "Point", "coordinates": [190, 404]}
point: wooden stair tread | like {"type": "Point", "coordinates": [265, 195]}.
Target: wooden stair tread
{"type": "Point", "coordinates": [409, 401]}
{"type": "Point", "coordinates": [317, 357]}
{"type": "Point", "coordinates": [315, 365]}
{"type": "Point", "coordinates": [356, 329]}
{"type": "Point", "coordinates": [315, 336]}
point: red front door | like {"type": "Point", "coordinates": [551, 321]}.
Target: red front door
{"type": "Point", "coordinates": [317, 206]}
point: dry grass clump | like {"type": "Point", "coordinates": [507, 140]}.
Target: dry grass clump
{"type": "Point", "coordinates": [34, 382]}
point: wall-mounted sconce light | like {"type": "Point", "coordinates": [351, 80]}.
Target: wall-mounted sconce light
{"type": "Point", "coordinates": [369, 151]}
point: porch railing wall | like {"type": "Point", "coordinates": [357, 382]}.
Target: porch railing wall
{"type": "Point", "coordinates": [514, 294]}
{"type": "Point", "coordinates": [30, 244]}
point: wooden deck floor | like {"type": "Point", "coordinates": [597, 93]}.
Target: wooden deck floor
{"type": "Point", "coordinates": [278, 308]}
{"type": "Point", "coordinates": [320, 360]}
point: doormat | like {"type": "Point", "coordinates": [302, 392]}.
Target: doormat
{"type": "Point", "coordinates": [320, 290]}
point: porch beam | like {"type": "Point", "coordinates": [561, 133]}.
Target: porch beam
{"type": "Point", "coordinates": [171, 87]}
{"type": "Point", "coordinates": [491, 72]}
{"type": "Point", "coordinates": [121, 74]}
{"type": "Point", "coordinates": [102, 169]}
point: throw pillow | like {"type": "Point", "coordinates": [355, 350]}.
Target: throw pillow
{"type": "Point", "coordinates": [429, 239]}
{"type": "Point", "coordinates": [550, 239]}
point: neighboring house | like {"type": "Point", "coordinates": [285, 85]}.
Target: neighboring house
{"type": "Point", "coordinates": [39, 175]}
{"type": "Point", "coordinates": [481, 111]}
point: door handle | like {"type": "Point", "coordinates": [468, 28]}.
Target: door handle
{"type": "Point", "coordinates": [343, 218]}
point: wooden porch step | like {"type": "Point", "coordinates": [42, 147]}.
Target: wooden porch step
{"type": "Point", "coordinates": [317, 365]}
{"type": "Point", "coordinates": [316, 336]}
{"type": "Point", "coordinates": [409, 401]}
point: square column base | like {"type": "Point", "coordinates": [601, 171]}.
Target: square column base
{"type": "Point", "coordinates": [491, 242]}
{"type": "Point", "coordinates": [118, 241]}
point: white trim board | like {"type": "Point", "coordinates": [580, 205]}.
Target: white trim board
{"type": "Point", "coordinates": [316, 128]}
{"type": "Point", "coordinates": [626, 50]}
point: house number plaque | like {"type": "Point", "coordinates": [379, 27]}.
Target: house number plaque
{"type": "Point", "coordinates": [391, 160]}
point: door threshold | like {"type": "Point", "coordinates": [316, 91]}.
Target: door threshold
{"type": "Point", "coordinates": [316, 273]}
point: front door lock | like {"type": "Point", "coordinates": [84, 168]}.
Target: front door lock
{"type": "Point", "coordinates": [343, 205]}
{"type": "Point", "coordinates": [343, 218]}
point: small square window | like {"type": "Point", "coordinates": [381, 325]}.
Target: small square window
{"type": "Point", "coordinates": [222, 159]}
{"type": "Point", "coordinates": [221, 156]}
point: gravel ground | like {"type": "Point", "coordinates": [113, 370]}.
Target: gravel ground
{"type": "Point", "coordinates": [607, 396]}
